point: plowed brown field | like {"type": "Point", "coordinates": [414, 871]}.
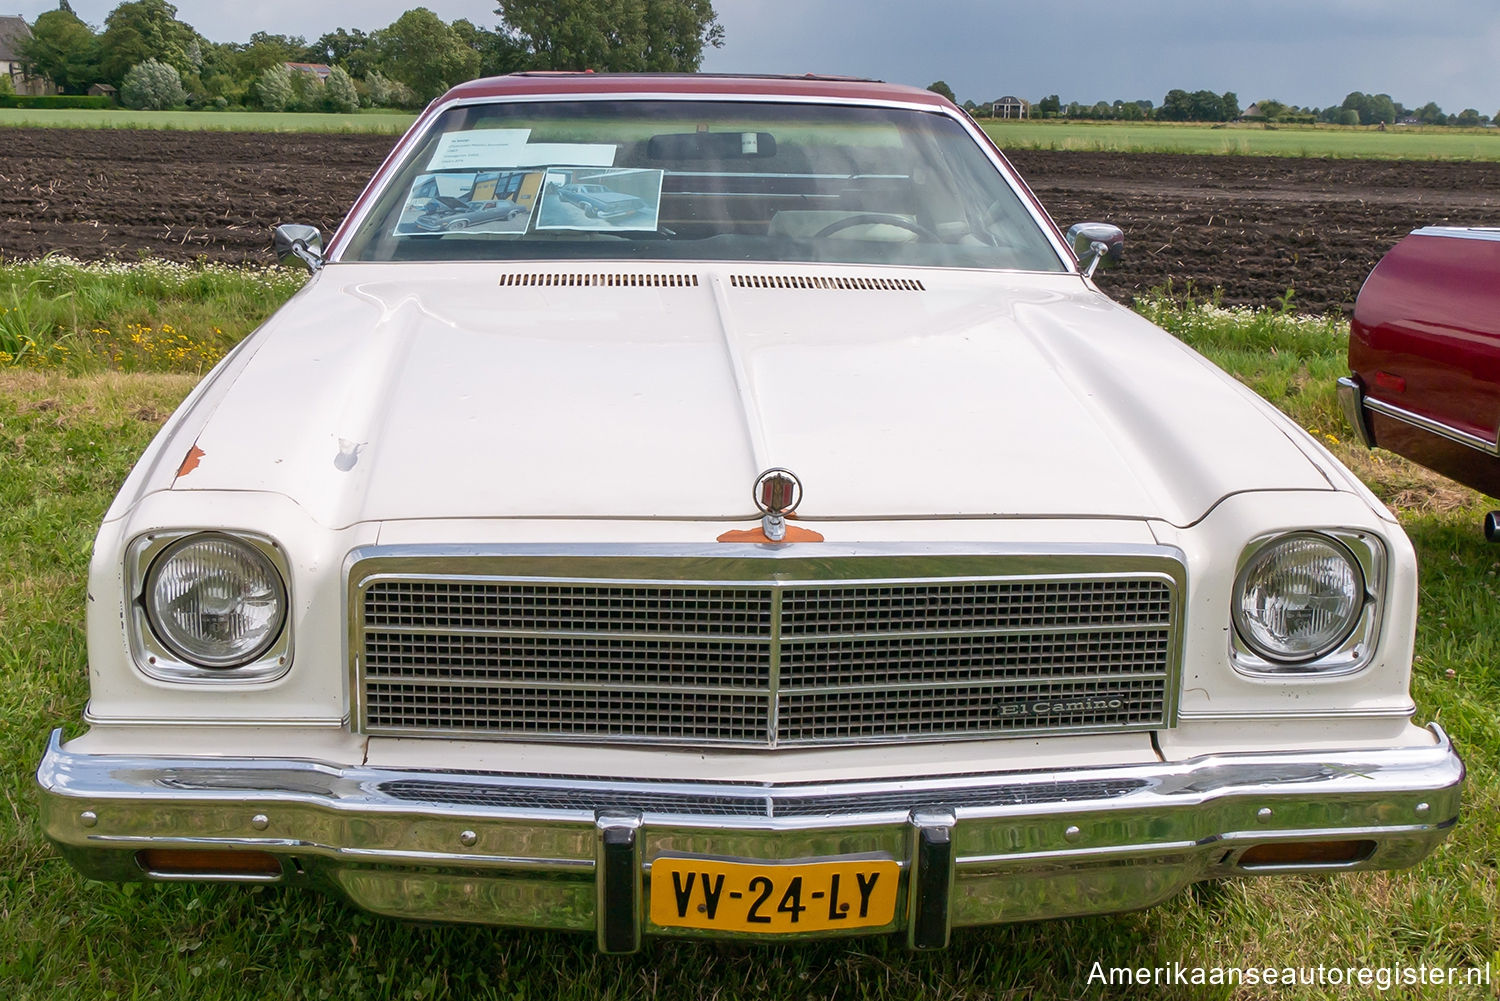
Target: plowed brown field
{"type": "Point", "coordinates": [1253, 226]}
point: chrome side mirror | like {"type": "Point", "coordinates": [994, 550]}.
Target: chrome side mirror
{"type": "Point", "coordinates": [296, 244]}
{"type": "Point", "coordinates": [1096, 244]}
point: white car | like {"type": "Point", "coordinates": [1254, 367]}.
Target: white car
{"type": "Point", "coordinates": [826, 555]}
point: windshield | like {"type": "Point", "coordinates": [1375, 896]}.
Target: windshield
{"type": "Point", "coordinates": [703, 181]}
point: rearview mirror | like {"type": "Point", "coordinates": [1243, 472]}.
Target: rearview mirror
{"type": "Point", "coordinates": [711, 146]}
{"type": "Point", "coordinates": [1096, 244]}
{"type": "Point", "coordinates": [301, 245]}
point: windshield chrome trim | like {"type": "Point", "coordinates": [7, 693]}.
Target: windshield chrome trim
{"type": "Point", "coordinates": [423, 125]}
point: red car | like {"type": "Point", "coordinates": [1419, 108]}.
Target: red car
{"type": "Point", "coordinates": [1424, 356]}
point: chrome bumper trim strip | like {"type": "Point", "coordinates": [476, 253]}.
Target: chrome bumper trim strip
{"type": "Point", "coordinates": [1438, 428]}
{"type": "Point", "coordinates": [1017, 847]}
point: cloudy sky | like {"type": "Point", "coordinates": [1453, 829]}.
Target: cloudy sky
{"type": "Point", "coordinates": [1305, 52]}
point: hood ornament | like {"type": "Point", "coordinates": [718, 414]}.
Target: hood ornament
{"type": "Point", "coordinates": [777, 493]}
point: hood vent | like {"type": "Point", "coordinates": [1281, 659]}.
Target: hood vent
{"type": "Point", "coordinates": [610, 280]}
{"type": "Point", "coordinates": [844, 284]}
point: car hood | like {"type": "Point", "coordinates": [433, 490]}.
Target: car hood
{"type": "Point", "coordinates": [456, 391]}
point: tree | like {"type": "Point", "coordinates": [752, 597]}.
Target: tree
{"type": "Point", "coordinates": [1051, 105]}
{"type": "Point", "coordinates": [613, 35]}
{"type": "Point", "coordinates": [1348, 116]}
{"type": "Point", "coordinates": [339, 93]}
{"type": "Point", "coordinates": [379, 89]}
{"type": "Point", "coordinates": [1467, 118]}
{"type": "Point", "coordinates": [1271, 109]}
{"type": "Point", "coordinates": [354, 50]}
{"type": "Point", "coordinates": [265, 50]}
{"type": "Point", "coordinates": [1230, 102]}
{"type": "Point", "coordinates": [942, 89]}
{"type": "Point", "coordinates": [1374, 109]}
{"type": "Point", "coordinates": [142, 30]}
{"type": "Point", "coordinates": [421, 51]}
{"type": "Point", "coordinates": [499, 53]}
{"type": "Point", "coordinates": [7, 88]}
{"type": "Point", "coordinates": [307, 90]}
{"type": "Point", "coordinates": [273, 88]}
{"type": "Point", "coordinates": [1206, 106]}
{"type": "Point", "coordinates": [152, 85]}
{"type": "Point", "coordinates": [387, 93]}
{"type": "Point", "coordinates": [1177, 106]}
{"type": "Point", "coordinates": [1431, 114]}
{"type": "Point", "coordinates": [222, 75]}
{"type": "Point", "coordinates": [63, 49]}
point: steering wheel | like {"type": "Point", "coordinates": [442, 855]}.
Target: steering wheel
{"type": "Point", "coordinates": [878, 219]}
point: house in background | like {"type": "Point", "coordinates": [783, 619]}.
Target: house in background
{"type": "Point", "coordinates": [319, 70]}
{"type": "Point", "coordinates": [13, 31]}
{"type": "Point", "coordinates": [1012, 107]}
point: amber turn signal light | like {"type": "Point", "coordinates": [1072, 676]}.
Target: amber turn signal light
{"type": "Point", "coordinates": [208, 863]}
{"type": "Point", "coordinates": [1283, 853]}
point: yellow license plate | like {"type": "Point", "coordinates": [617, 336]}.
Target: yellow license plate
{"type": "Point", "coordinates": [773, 897]}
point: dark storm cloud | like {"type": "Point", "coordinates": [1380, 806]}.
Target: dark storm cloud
{"type": "Point", "coordinates": [1306, 52]}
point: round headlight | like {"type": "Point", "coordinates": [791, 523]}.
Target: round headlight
{"type": "Point", "coordinates": [215, 601]}
{"type": "Point", "coordinates": [1298, 598]}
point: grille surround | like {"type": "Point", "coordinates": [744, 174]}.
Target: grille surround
{"type": "Point", "coordinates": [684, 645]}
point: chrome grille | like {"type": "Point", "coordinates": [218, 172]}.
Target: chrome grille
{"type": "Point", "coordinates": [762, 662]}
{"type": "Point", "coordinates": [534, 607]}
{"type": "Point", "coordinates": [968, 605]}
{"type": "Point", "coordinates": [832, 716]}
{"type": "Point", "coordinates": [584, 712]}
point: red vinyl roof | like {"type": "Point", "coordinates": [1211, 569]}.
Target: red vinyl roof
{"type": "Point", "coordinates": [553, 84]}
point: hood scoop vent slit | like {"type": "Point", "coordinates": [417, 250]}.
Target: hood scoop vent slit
{"type": "Point", "coordinates": [838, 284]}
{"type": "Point", "coordinates": [581, 279]}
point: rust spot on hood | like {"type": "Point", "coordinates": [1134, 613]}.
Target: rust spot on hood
{"type": "Point", "coordinates": [793, 534]}
{"type": "Point", "coordinates": [190, 461]}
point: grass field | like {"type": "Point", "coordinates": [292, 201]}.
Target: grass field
{"type": "Point", "coordinates": [1116, 137]}
{"type": "Point", "coordinates": [59, 315]}
{"type": "Point", "coordinates": [387, 122]}
{"type": "Point", "coordinates": [69, 431]}
{"type": "Point", "coordinates": [1290, 140]}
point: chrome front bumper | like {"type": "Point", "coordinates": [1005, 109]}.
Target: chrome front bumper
{"type": "Point", "coordinates": [575, 853]}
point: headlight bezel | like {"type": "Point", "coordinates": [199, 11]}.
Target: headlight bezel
{"type": "Point", "coordinates": [157, 659]}
{"type": "Point", "coordinates": [1355, 652]}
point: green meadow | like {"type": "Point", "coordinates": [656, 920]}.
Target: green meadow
{"type": "Point", "coordinates": [381, 121]}
{"type": "Point", "coordinates": [1395, 143]}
